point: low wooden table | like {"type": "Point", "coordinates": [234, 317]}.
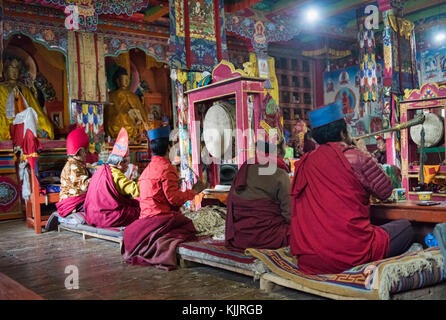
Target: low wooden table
{"type": "Point", "coordinates": [409, 210]}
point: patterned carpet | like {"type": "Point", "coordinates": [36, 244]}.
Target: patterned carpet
{"type": "Point", "coordinates": [375, 280]}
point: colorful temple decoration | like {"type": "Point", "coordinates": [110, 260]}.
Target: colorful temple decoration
{"type": "Point", "coordinates": [87, 67]}
{"type": "Point", "coordinates": [84, 14]}
{"type": "Point", "coordinates": [367, 62]}
{"type": "Point", "coordinates": [184, 81]}
{"type": "Point", "coordinates": [9, 193]}
{"type": "Point", "coordinates": [116, 42]}
{"type": "Point", "coordinates": [53, 35]}
{"type": "Point", "coordinates": [405, 74]}
{"type": "Point", "coordinates": [261, 30]}
{"type": "Point", "coordinates": [91, 117]}
{"type": "Point", "coordinates": [431, 55]}
{"type": "Point", "coordinates": [197, 36]}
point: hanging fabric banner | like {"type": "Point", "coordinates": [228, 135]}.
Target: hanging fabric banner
{"type": "Point", "coordinates": [197, 34]}
{"type": "Point", "coordinates": [87, 66]}
{"type": "Point", "coordinates": [368, 87]}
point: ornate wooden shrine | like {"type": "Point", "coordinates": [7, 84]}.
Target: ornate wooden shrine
{"type": "Point", "coordinates": [430, 98]}
{"type": "Point", "coordinates": [227, 84]}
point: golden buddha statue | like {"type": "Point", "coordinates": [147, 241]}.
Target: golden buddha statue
{"type": "Point", "coordinates": [125, 110]}
{"type": "Point", "coordinates": [14, 97]}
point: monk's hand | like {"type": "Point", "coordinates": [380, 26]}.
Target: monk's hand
{"type": "Point", "coordinates": [199, 187]}
{"type": "Point", "coordinates": [360, 144]}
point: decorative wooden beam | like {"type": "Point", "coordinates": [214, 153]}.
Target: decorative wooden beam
{"type": "Point", "coordinates": [338, 7]}
{"type": "Point", "coordinates": [155, 13]}
{"type": "Point", "coordinates": [416, 5]}
{"type": "Point", "coordinates": [100, 26]}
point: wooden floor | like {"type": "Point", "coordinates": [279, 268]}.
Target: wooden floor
{"type": "Point", "coordinates": [38, 263]}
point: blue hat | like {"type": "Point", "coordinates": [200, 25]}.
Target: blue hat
{"type": "Point", "coordinates": [161, 132]}
{"type": "Point", "coordinates": [326, 114]}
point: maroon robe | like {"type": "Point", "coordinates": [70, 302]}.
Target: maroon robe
{"type": "Point", "coordinates": [256, 223]}
{"type": "Point", "coordinates": [330, 217]}
{"type": "Point", "coordinates": [152, 241]}
{"type": "Point", "coordinates": [67, 205]}
{"type": "Point", "coordinates": [104, 206]}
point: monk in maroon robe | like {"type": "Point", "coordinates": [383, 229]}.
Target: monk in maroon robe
{"type": "Point", "coordinates": [104, 206]}
{"type": "Point", "coordinates": [258, 205]}
{"type": "Point", "coordinates": [110, 200]}
{"type": "Point", "coordinates": [330, 217]}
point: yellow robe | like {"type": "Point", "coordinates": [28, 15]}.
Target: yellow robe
{"type": "Point", "coordinates": [43, 123]}
{"type": "Point", "coordinates": [123, 185]}
{"type": "Point", "coordinates": [117, 113]}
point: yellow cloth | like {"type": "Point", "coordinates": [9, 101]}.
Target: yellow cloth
{"type": "Point", "coordinates": [430, 172]}
{"type": "Point", "coordinates": [43, 123]}
{"type": "Point", "coordinates": [124, 186]}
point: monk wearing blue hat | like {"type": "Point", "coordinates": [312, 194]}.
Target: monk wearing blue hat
{"type": "Point", "coordinates": [330, 220]}
{"type": "Point", "coordinates": [152, 239]}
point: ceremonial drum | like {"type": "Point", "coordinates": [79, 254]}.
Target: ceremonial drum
{"type": "Point", "coordinates": [219, 130]}
{"type": "Point", "coordinates": [433, 130]}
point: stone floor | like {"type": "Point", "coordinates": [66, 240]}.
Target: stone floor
{"type": "Point", "coordinates": [38, 262]}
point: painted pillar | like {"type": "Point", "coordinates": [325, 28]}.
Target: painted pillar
{"type": "Point", "coordinates": [399, 70]}
{"type": "Point", "coordinates": [386, 8]}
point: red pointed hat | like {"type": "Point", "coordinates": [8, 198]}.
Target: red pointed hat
{"type": "Point", "coordinates": [121, 147]}
{"type": "Point", "coordinates": [77, 139]}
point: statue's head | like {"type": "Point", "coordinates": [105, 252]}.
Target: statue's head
{"type": "Point", "coordinates": [12, 69]}
{"type": "Point", "coordinates": [122, 78]}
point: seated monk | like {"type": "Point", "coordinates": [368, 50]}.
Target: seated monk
{"type": "Point", "coordinates": [258, 204]}
{"type": "Point", "coordinates": [330, 219]}
{"type": "Point", "coordinates": [153, 238]}
{"type": "Point", "coordinates": [74, 179]}
{"type": "Point", "coordinates": [110, 200]}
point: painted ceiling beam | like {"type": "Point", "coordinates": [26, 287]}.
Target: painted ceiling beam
{"type": "Point", "coordinates": [154, 13]}
{"type": "Point", "coordinates": [412, 6]}
{"type": "Point", "coordinates": [332, 10]}
{"type": "Point", "coordinates": [426, 13]}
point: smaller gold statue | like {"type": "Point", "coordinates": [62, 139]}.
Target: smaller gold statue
{"type": "Point", "coordinates": [125, 110]}
{"type": "Point", "coordinates": [15, 97]}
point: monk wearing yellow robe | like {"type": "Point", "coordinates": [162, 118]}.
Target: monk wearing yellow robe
{"type": "Point", "coordinates": [125, 110]}
{"type": "Point", "coordinates": [13, 99]}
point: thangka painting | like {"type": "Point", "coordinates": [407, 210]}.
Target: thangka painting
{"type": "Point", "coordinates": [433, 65]}
{"type": "Point", "coordinates": [344, 85]}
{"type": "Point", "coordinates": [196, 41]}
{"type": "Point", "coordinates": [91, 117]}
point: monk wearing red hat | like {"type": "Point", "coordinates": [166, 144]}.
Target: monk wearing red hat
{"type": "Point", "coordinates": [110, 200]}
{"type": "Point", "coordinates": [74, 178]}
{"type": "Point", "coordinates": [330, 217]}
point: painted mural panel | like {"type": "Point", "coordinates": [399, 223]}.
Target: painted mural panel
{"type": "Point", "coordinates": [433, 65]}
{"type": "Point", "coordinates": [344, 85]}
